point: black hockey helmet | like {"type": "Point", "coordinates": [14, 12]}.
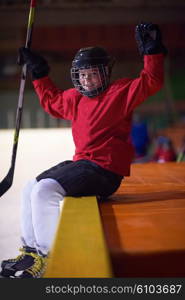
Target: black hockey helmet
{"type": "Point", "coordinates": [89, 58]}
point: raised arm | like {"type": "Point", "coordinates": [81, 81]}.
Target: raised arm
{"type": "Point", "coordinates": [56, 102]}
{"type": "Point", "coordinates": [151, 48]}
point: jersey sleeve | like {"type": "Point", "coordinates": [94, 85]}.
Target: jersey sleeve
{"type": "Point", "coordinates": [148, 83]}
{"type": "Point", "coordinates": [56, 102]}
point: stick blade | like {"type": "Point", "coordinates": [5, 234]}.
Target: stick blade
{"type": "Point", "coordinates": [6, 183]}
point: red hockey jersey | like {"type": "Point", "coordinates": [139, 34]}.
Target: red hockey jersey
{"type": "Point", "coordinates": [101, 125]}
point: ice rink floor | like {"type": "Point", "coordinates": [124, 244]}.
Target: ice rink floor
{"type": "Point", "coordinates": [38, 150]}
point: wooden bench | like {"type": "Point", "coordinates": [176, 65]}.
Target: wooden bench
{"type": "Point", "coordinates": [144, 222]}
{"type": "Point", "coordinates": [79, 249]}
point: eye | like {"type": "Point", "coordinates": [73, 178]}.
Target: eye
{"type": "Point", "coordinates": [82, 75]}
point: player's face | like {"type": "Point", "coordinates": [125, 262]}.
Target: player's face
{"type": "Point", "coordinates": [90, 79]}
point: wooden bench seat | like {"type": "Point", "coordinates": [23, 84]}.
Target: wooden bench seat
{"type": "Point", "coordinates": [144, 222]}
{"type": "Point", "coordinates": [138, 232]}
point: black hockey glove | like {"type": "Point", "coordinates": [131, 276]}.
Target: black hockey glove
{"type": "Point", "coordinates": [149, 40]}
{"type": "Point", "coordinates": [37, 65]}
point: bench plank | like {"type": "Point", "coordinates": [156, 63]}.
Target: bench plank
{"type": "Point", "coordinates": [79, 248]}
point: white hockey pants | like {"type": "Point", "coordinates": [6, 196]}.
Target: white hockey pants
{"type": "Point", "coordinates": [40, 208]}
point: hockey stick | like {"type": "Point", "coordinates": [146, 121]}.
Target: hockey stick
{"type": "Point", "coordinates": [6, 183]}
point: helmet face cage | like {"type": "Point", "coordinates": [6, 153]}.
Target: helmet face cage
{"type": "Point", "coordinates": [103, 78]}
{"type": "Point", "coordinates": [92, 58]}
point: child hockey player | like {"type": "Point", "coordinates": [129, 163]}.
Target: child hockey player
{"type": "Point", "coordinates": [101, 114]}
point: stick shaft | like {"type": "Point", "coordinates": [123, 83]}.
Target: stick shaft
{"type": "Point", "coordinates": [23, 75]}
{"type": "Point", "coordinates": [6, 183]}
{"type": "Point", "coordinates": [27, 45]}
